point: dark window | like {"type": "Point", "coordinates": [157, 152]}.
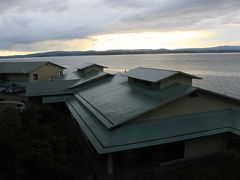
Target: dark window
{"type": "Point", "coordinates": [145, 83]}
{"type": "Point", "coordinates": [35, 76]}
{"type": "Point", "coordinates": [193, 94]}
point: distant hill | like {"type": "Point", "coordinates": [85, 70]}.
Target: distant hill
{"type": "Point", "coordinates": [218, 49]}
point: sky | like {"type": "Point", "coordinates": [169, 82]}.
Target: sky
{"type": "Point", "coordinates": [29, 26]}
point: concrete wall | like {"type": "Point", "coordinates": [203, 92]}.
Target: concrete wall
{"type": "Point", "coordinates": [176, 79]}
{"type": "Point", "coordinates": [186, 105]}
{"type": "Point", "coordinates": [205, 146]}
{"type": "Point", "coordinates": [46, 72]}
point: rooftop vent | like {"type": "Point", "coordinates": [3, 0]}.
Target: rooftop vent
{"type": "Point", "coordinates": [158, 78]}
{"type": "Point", "coordinates": [87, 68]}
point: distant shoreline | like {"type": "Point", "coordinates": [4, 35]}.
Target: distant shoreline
{"type": "Point", "coordinates": [219, 49]}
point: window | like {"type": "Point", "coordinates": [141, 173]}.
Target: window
{"type": "Point", "coordinates": [35, 76]}
{"type": "Point", "coordinates": [193, 94]}
{"type": "Point", "coordinates": [60, 73]}
{"type": "Point", "coordinates": [145, 83]}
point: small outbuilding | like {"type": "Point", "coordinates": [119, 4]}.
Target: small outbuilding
{"type": "Point", "coordinates": [29, 71]}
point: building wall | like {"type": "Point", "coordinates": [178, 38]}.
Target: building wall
{"type": "Point", "coordinates": [187, 105]}
{"type": "Point", "coordinates": [205, 146]}
{"type": "Point", "coordinates": [15, 77]}
{"type": "Point", "coordinates": [46, 72]}
{"type": "Point", "coordinates": [176, 79]}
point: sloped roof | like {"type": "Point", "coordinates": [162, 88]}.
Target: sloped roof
{"type": "Point", "coordinates": [115, 101]}
{"type": "Point", "coordinates": [153, 132]}
{"type": "Point", "coordinates": [56, 87]}
{"type": "Point", "coordinates": [153, 75]}
{"type": "Point", "coordinates": [22, 67]}
{"type": "Point", "coordinates": [46, 88]}
{"type": "Point", "coordinates": [86, 65]}
{"type": "Point", "coordinates": [104, 108]}
{"type": "Point", "coordinates": [90, 78]}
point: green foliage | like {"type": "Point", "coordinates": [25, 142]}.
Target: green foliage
{"type": "Point", "coordinates": [35, 145]}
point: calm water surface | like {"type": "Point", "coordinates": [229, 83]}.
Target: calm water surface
{"type": "Point", "coordinates": [220, 72]}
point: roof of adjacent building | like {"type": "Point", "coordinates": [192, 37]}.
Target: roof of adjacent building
{"type": "Point", "coordinates": [91, 77]}
{"type": "Point", "coordinates": [154, 75]}
{"type": "Point", "coordinates": [23, 67]}
{"type": "Point", "coordinates": [56, 87]}
{"type": "Point", "coordinates": [83, 66]}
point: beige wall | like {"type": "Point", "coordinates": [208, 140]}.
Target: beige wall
{"type": "Point", "coordinates": [176, 79]}
{"type": "Point", "coordinates": [205, 146]}
{"type": "Point", "coordinates": [45, 72]}
{"type": "Point", "coordinates": [186, 105]}
{"type": "Point", "coordinates": [15, 77]}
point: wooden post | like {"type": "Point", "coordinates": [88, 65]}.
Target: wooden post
{"type": "Point", "coordinates": [109, 165]}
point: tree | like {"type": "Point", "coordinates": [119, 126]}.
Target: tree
{"type": "Point", "coordinates": [34, 145]}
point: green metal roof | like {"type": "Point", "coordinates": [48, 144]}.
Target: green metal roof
{"type": "Point", "coordinates": [46, 88]}
{"type": "Point", "coordinates": [91, 77]}
{"type": "Point", "coordinates": [103, 109]}
{"type": "Point", "coordinates": [115, 101]}
{"type": "Point", "coordinates": [153, 132]}
{"type": "Point", "coordinates": [153, 75]}
{"type": "Point", "coordinates": [22, 67]}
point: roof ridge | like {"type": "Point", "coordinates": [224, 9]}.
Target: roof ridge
{"type": "Point", "coordinates": [104, 120]}
{"type": "Point", "coordinates": [158, 69]}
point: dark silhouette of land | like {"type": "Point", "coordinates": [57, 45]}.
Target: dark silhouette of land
{"type": "Point", "coordinates": [218, 49]}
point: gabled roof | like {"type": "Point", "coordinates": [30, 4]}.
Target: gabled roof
{"type": "Point", "coordinates": [153, 132]}
{"type": "Point", "coordinates": [86, 65]}
{"type": "Point", "coordinates": [114, 101]}
{"type": "Point", "coordinates": [154, 75]}
{"type": "Point", "coordinates": [23, 67]}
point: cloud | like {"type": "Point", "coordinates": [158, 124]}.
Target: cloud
{"type": "Point", "coordinates": [26, 23]}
